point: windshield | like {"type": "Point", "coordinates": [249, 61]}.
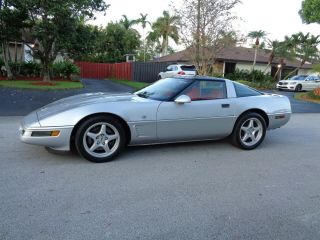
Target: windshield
{"type": "Point", "coordinates": [299, 77]}
{"type": "Point", "coordinates": [165, 89]}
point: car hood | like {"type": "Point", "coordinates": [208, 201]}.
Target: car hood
{"type": "Point", "coordinates": [289, 81]}
{"type": "Point", "coordinates": [82, 100]}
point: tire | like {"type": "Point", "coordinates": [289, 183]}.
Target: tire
{"type": "Point", "coordinates": [249, 131]}
{"type": "Point", "coordinates": [159, 77]}
{"type": "Point", "coordinates": [100, 139]}
{"type": "Point", "coordinates": [298, 88]}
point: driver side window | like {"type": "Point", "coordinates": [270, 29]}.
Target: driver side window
{"type": "Point", "coordinates": [206, 90]}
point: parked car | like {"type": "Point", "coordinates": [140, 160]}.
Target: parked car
{"type": "Point", "coordinates": [100, 125]}
{"type": "Point", "coordinates": [178, 70]}
{"type": "Point", "coordinates": [300, 83]}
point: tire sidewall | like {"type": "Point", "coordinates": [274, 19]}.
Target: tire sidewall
{"type": "Point", "coordinates": [91, 121]}
{"type": "Point", "coordinates": [298, 88]}
{"type": "Point", "coordinates": [236, 138]}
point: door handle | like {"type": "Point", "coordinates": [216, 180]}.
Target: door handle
{"type": "Point", "coordinates": [225, 105]}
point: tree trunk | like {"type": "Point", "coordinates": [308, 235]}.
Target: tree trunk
{"type": "Point", "coordinates": [276, 75]}
{"type": "Point", "coordinates": [46, 72]}
{"type": "Point", "coordinates": [6, 62]}
{"type": "Point", "coordinates": [292, 72]}
{"type": "Point", "coordinates": [271, 57]}
{"type": "Point", "coordinates": [198, 33]}
{"type": "Point", "coordinates": [165, 45]}
{"type": "Point", "coordinates": [255, 57]}
{"type": "Point", "coordinates": [296, 69]}
{"type": "Point", "coordinates": [15, 52]}
{"type": "Point", "coordinates": [144, 45]}
{"type": "Point", "coordinates": [266, 69]}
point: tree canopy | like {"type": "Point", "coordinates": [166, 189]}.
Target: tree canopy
{"type": "Point", "coordinates": [310, 11]}
{"type": "Point", "coordinates": [53, 23]}
{"type": "Point", "coordinates": [202, 26]}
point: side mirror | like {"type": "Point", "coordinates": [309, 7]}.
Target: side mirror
{"type": "Point", "coordinates": [182, 99]}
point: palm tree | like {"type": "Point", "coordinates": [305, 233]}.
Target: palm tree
{"type": "Point", "coordinates": [274, 47]}
{"type": "Point", "coordinates": [165, 27]}
{"type": "Point", "coordinates": [304, 47]}
{"type": "Point", "coordinates": [282, 52]}
{"type": "Point", "coordinates": [257, 36]}
{"type": "Point", "coordinates": [127, 23]}
{"type": "Point", "coordinates": [144, 23]}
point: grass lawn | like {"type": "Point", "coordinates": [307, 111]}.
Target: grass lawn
{"type": "Point", "coordinates": [307, 96]}
{"type": "Point", "coordinates": [135, 85]}
{"type": "Point", "coordinates": [54, 85]}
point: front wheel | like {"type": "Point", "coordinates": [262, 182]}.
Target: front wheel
{"type": "Point", "coordinates": [100, 139]}
{"type": "Point", "coordinates": [298, 88]}
{"type": "Point", "coordinates": [249, 131]}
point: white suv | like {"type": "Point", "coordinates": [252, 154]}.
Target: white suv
{"type": "Point", "coordinates": [299, 83]}
{"type": "Point", "coordinates": [178, 70]}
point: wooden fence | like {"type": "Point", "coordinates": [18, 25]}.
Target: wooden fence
{"type": "Point", "coordinates": [136, 71]}
{"type": "Point", "coordinates": [105, 70]}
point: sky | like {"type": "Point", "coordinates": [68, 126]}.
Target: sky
{"type": "Point", "coordinates": [276, 17]}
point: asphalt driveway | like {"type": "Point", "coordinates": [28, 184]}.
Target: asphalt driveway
{"type": "Point", "coordinates": [19, 102]}
{"type": "Point", "coordinates": [207, 190]}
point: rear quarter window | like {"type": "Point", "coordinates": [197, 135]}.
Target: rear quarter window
{"type": "Point", "coordinates": [244, 91]}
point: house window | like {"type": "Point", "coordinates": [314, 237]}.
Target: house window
{"type": "Point", "coordinates": [229, 67]}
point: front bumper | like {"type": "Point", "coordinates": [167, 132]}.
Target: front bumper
{"type": "Point", "coordinates": [30, 125]}
{"type": "Point", "coordinates": [286, 87]}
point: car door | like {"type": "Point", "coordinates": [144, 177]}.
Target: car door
{"type": "Point", "coordinates": [209, 115]}
{"type": "Point", "coordinates": [317, 82]}
{"type": "Point", "coordinates": [309, 83]}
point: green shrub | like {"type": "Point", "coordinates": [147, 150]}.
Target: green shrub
{"type": "Point", "coordinates": [239, 75]}
{"type": "Point", "coordinates": [27, 69]}
{"type": "Point", "coordinates": [252, 76]}
{"type": "Point", "coordinates": [65, 69]}
{"type": "Point", "coordinates": [30, 69]}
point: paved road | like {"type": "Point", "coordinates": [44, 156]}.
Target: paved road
{"type": "Point", "coordinates": [195, 191]}
{"type": "Point", "coordinates": [17, 102]}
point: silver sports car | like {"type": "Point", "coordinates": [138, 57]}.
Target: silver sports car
{"type": "Point", "coordinates": [100, 125]}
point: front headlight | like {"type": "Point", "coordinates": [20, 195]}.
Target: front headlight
{"type": "Point", "coordinates": [293, 83]}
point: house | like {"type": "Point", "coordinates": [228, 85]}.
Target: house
{"type": "Point", "coordinates": [19, 52]}
{"type": "Point", "coordinates": [228, 59]}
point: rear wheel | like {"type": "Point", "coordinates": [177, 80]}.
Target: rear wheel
{"type": "Point", "coordinates": [298, 88]}
{"type": "Point", "coordinates": [159, 77]}
{"type": "Point", "coordinates": [249, 131]}
{"type": "Point", "coordinates": [100, 139]}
